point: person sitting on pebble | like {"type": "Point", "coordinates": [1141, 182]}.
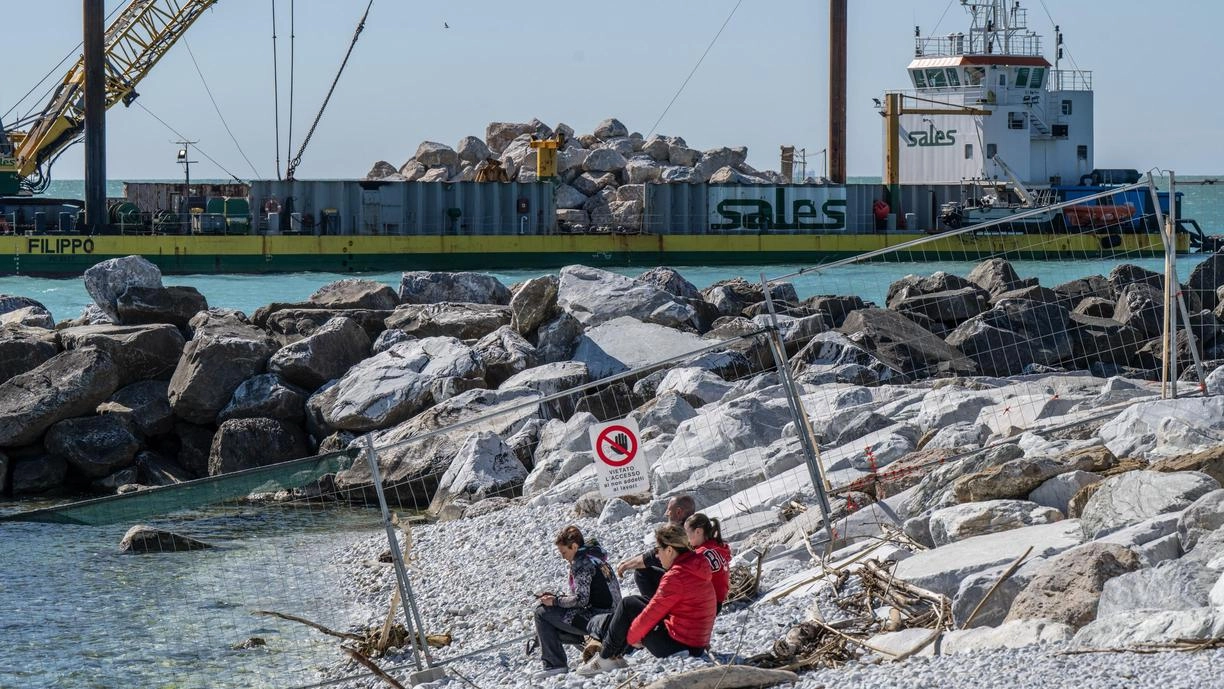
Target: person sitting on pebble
{"type": "Point", "coordinates": [593, 590]}
{"type": "Point", "coordinates": [705, 535]}
{"type": "Point", "coordinates": [678, 618]}
{"type": "Point", "coordinates": [646, 568]}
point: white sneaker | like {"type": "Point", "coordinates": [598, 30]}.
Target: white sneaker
{"type": "Point", "coordinates": [549, 672]}
{"type": "Point", "coordinates": [599, 665]}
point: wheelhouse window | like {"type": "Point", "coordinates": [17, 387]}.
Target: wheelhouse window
{"type": "Point", "coordinates": [953, 76]}
{"type": "Point", "coordinates": [919, 78]}
{"type": "Point", "coordinates": [1037, 77]}
{"type": "Point", "coordinates": [975, 75]}
{"type": "Point", "coordinates": [936, 78]}
{"type": "Point", "coordinates": [1015, 120]}
{"type": "Point", "coordinates": [1022, 77]}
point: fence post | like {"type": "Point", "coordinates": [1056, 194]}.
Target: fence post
{"type": "Point", "coordinates": [803, 429]}
{"type": "Point", "coordinates": [411, 614]}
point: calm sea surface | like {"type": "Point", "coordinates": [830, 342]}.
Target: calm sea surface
{"type": "Point", "coordinates": [74, 612]}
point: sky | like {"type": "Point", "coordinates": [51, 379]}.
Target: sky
{"type": "Point", "coordinates": [763, 83]}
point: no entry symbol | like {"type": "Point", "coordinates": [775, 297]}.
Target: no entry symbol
{"type": "Point", "coordinates": [616, 446]}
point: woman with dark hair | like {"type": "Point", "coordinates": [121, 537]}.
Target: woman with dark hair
{"type": "Point", "coordinates": [705, 535]}
{"type": "Point", "coordinates": [593, 588]}
{"type": "Point", "coordinates": [678, 617]}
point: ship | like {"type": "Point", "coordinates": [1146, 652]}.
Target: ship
{"type": "Point", "coordinates": [973, 99]}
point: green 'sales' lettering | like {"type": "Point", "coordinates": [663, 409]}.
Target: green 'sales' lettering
{"type": "Point", "coordinates": [794, 208]}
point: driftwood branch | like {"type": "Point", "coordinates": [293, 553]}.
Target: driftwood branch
{"type": "Point", "coordinates": [301, 620]}
{"type": "Point", "coordinates": [369, 665]}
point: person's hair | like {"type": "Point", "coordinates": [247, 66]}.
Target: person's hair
{"type": "Point", "coordinates": [685, 504]}
{"type": "Point", "coordinates": [570, 535]}
{"type": "Point", "coordinates": [674, 536]}
{"type": "Point", "coordinates": [710, 527]}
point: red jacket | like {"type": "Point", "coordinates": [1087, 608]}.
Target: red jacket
{"type": "Point", "coordinates": [719, 557]}
{"type": "Point", "coordinates": [684, 603]}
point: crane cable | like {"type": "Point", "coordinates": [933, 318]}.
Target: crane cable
{"type": "Point", "coordinates": [276, 91]}
{"type": "Point", "coordinates": [218, 109]}
{"type": "Point", "coordinates": [181, 136]}
{"type": "Point", "coordinates": [695, 68]}
{"type": "Point", "coordinates": [292, 82]}
{"type": "Point", "coordinates": [297, 160]}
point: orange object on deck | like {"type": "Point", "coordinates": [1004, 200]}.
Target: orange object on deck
{"type": "Point", "coordinates": [1097, 216]}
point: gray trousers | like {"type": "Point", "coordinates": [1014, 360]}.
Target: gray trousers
{"type": "Point", "coordinates": [553, 630]}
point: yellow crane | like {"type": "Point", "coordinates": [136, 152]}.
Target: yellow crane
{"type": "Point", "coordinates": [140, 35]}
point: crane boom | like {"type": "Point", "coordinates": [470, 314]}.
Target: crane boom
{"type": "Point", "coordinates": [135, 41]}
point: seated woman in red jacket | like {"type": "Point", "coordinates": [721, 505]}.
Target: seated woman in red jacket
{"type": "Point", "coordinates": [705, 536]}
{"type": "Point", "coordinates": [679, 617]}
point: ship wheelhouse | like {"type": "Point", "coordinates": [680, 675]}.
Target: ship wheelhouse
{"type": "Point", "coordinates": [1040, 117]}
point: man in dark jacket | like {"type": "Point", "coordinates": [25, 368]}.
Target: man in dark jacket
{"type": "Point", "coordinates": [679, 617]}
{"type": "Point", "coordinates": [647, 571]}
{"type": "Point", "coordinates": [561, 619]}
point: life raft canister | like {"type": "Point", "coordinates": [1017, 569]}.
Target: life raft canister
{"type": "Point", "coordinates": [880, 209]}
{"type": "Point", "coordinates": [272, 206]}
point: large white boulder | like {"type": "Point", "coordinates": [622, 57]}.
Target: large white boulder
{"type": "Point", "coordinates": [1165, 428]}
{"type": "Point", "coordinates": [627, 343]}
{"type": "Point", "coordinates": [971, 519]}
{"type": "Point", "coordinates": [1057, 492]}
{"type": "Point", "coordinates": [395, 384]}
{"type": "Point", "coordinates": [483, 468]}
{"type": "Point", "coordinates": [595, 296]}
{"type": "Point", "coordinates": [550, 379]}
{"type": "Point", "coordinates": [1014, 634]}
{"type": "Point", "coordinates": [107, 280]}
{"type": "Point", "coordinates": [1139, 495]}
{"type": "Point", "coordinates": [1171, 585]}
{"type": "Point", "coordinates": [1151, 626]}
{"type": "Point", "coordinates": [943, 569]}
{"type": "Point", "coordinates": [697, 385]}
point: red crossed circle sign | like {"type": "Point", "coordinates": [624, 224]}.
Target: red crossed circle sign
{"type": "Point", "coordinates": [616, 446]}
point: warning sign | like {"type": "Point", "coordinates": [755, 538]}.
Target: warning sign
{"type": "Point", "coordinates": [619, 462]}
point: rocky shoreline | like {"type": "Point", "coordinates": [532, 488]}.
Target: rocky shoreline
{"type": "Point", "coordinates": [964, 422]}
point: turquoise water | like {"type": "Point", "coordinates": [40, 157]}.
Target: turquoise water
{"type": "Point", "coordinates": [67, 298]}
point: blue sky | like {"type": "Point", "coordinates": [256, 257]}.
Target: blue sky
{"type": "Point", "coordinates": [764, 83]}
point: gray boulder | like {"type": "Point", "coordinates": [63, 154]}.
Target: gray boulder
{"type": "Point", "coordinates": [550, 379]}
{"type": "Point", "coordinates": [324, 355]}
{"type": "Point", "coordinates": [37, 475]}
{"type": "Point", "coordinates": [394, 385]}
{"type": "Point", "coordinates": [1171, 585]}
{"type": "Point", "coordinates": [959, 522]}
{"type": "Point", "coordinates": [107, 280]}
{"type": "Point", "coordinates": [484, 467]}
{"type": "Point", "coordinates": [139, 305]}
{"type": "Point", "coordinates": [499, 134]}
{"type": "Point", "coordinates": [1152, 627]}
{"type": "Point", "coordinates": [604, 160]}
{"type": "Point", "coordinates": [471, 149]}
{"type": "Point", "coordinates": [533, 302]}
{"type": "Point", "coordinates": [1202, 517]}
{"type": "Point", "coordinates": [610, 128]}
{"type": "Point", "coordinates": [423, 287]}
{"type": "Point", "coordinates": [556, 338]}
{"type": "Point", "coordinates": [1138, 495]}
{"type": "Point", "coordinates": [1125, 274]}
{"type": "Point", "coordinates": [1206, 280]}
{"type": "Point", "coordinates": [464, 321]}
{"type": "Point", "coordinates": [94, 446]}
{"type": "Point", "coordinates": [353, 293]}
{"type": "Point", "coordinates": [30, 316]}
{"type": "Point", "coordinates": [1140, 306]}
{"type": "Point", "coordinates": [1068, 588]}
{"type": "Point", "coordinates": [141, 352]}
{"type": "Point", "coordinates": [569, 197]}
{"type": "Point", "coordinates": [13, 303]}
{"type": "Point", "coordinates": [904, 345]}
{"type": "Point", "coordinates": [595, 296]}
{"type": "Point", "coordinates": [697, 386]}
{"type": "Point", "coordinates": [145, 405]}
{"type": "Point", "coordinates": [997, 276]}
{"type": "Point", "coordinates": [415, 468]}
{"type": "Point", "coordinates": [23, 349]}
{"type": "Point", "coordinates": [146, 539]}
{"type": "Point", "coordinates": [381, 170]}
{"type": "Point", "coordinates": [671, 281]}
{"type": "Point", "coordinates": [248, 443]}
{"type": "Point", "coordinates": [213, 364]}
{"type": "Point", "coordinates": [67, 385]}
{"type": "Point", "coordinates": [949, 308]}
{"type": "Point", "coordinates": [266, 395]}
{"type": "Point", "coordinates": [1057, 491]}
{"type": "Point", "coordinates": [626, 343]}
{"type": "Point", "coordinates": [153, 469]}
{"type": "Point", "coordinates": [588, 184]}
{"type": "Point", "coordinates": [505, 353]}
{"type": "Point", "coordinates": [1165, 428]}
{"type": "Point", "coordinates": [432, 155]}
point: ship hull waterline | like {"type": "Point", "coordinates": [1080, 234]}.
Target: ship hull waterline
{"type": "Point", "coordinates": [70, 255]}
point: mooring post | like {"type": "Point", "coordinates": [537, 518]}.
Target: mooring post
{"type": "Point", "coordinates": [95, 116]}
